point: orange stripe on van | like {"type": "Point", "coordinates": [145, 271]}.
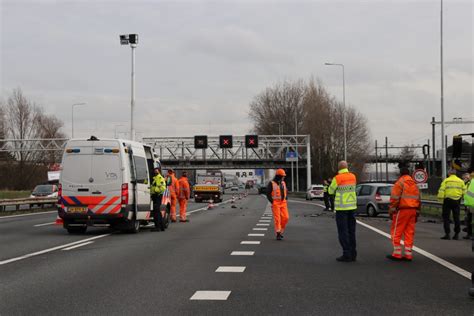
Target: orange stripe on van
{"type": "Point", "coordinates": [90, 200]}
{"type": "Point", "coordinates": [69, 200]}
{"type": "Point", "coordinates": [107, 204]}
{"type": "Point", "coordinates": [115, 209]}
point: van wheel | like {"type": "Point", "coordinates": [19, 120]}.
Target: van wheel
{"type": "Point", "coordinates": [76, 229]}
{"type": "Point", "coordinates": [134, 225]}
{"type": "Point", "coordinates": [166, 220]}
{"type": "Point", "coordinates": [371, 211]}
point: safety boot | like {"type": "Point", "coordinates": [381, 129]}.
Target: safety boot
{"type": "Point", "coordinates": [456, 236]}
{"type": "Point", "coordinates": [446, 237]}
{"type": "Point", "coordinates": [279, 237]}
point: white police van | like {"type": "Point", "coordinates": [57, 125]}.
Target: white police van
{"type": "Point", "coordinates": [106, 182]}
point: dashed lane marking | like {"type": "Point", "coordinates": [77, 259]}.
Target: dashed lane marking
{"type": "Point", "coordinates": [425, 253]}
{"type": "Point", "coordinates": [308, 203]}
{"type": "Point", "coordinates": [256, 235]}
{"type": "Point", "coordinates": [77, 246]}
{"type": "Point", "coordinates": [259, 228]}
{"type": "Point", "coordinates": [231, 269]}
{"type": "Point", "coordinates": [51, 249]}
{"type": "Point", "coordinates": [242, 253]}
{"type": "Point", "coordinates": [211, 295]}
{"type": "Point", "coordinates": [45, 224]}
{"type": "Point", "coordinates": [263, 224]}
{"type": "Point", "coordinates": [250, 242]}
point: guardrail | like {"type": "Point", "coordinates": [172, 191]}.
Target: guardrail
{"type": "Point", "coordinates": [31, 202]}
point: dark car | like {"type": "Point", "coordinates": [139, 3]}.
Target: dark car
{"type": "Point", "coordinates": [373, 198]}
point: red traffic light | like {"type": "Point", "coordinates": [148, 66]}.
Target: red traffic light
{"type": "Point", "coordinates": [225, 141]}
{"type": "Point", "coordinates": [251, 141]}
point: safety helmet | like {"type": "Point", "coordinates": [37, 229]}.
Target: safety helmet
{"type": "Point", "coordinates": [281, 172]}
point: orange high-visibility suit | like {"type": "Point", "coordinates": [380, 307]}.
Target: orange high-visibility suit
{"type": "Point", "coordinates": [279, 206]}
{"type": "Point", "coordinates": [404, 206]}
{"type": "Point", "coordinates": [173, 183]}
{"type": "Point", "coordinates": [183, 197]}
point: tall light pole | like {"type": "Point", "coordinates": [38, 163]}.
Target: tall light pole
{"type": "Point", "coordinates": [297, 152]}
{"type": "Point", "coordinates": [72, 118]}
{"type": "Point", "coordinates": [344, 103]}
{"type": "Point", "coordinates": [131, 39]}
{"type": "Point", "coordinates": [443, 145]}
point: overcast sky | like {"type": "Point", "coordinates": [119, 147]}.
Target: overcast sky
{"type": "Point", "coordinates": [200, 63]}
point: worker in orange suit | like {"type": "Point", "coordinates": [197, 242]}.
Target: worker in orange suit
{"type": "Point", "coordinates": [183, 197]}
{"type": "Point", "coordinates": [173, 185]}
{"type": "Point", "coordinates": [404, 209]}
{"type": "Point", "coordinates": [277, 194]}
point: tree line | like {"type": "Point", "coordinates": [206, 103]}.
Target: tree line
{"type": "Point", "coordinates": [21, 118]}
{"type": "Point", "coordinates": [307, 106]}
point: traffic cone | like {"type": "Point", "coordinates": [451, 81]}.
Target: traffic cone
{"type": "Point", "coordinates": [233, 199]}
{"type": "Point", "coordinates": [59, 220]}
{"type": "Point", "coordinates": [210, 206]}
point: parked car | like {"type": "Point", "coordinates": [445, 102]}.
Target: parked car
{"type": "Point", "coordinates": [316, 191]}
{"type": "Point", "coordinates": [262, 189]}
{"type": "Point", "coordinates": [373, 198]}
{"type": "Point", "coordinates": [45, 191]}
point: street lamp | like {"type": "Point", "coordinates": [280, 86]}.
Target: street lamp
{"type": "Point", "coordinates": [443, 145]}
{"type": "Point", "coordinates": [344, 103]}
{"type": "Point", "coordinates": [72, 117]}
{"type": "Point", "coordinates": [131, 39]}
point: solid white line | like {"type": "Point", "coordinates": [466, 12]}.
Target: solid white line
{"type": "Point", "coordinates": [242, 253]}
{"type": "Point", "coordinates": [263, 224]}
{"type": "Point", "coordinates": [77, 246]}
{"type": "Point", "coordinates": [211, 295]}
{"type": "Point", "coordinates": [425, 253]}
{"type": "Point", "coordinates": [256, 235]}
{"type": "Point", "coordinates": [259, 228]}
{"type": "Point", "coordinates": [250, 242]}
{"type": "Point", "coordinates": [29, 214]}
{"type": "Point", "coordinates": [50, 249]}
{"type": "Point", "coordinates": [45, 224]}
{"type": "Point", "coordinates": [302, 202]}
{"type": "Point", "coordinates": [230, 269]}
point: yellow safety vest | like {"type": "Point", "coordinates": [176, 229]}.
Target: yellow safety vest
{"type": "Point", "coordinates": [452, 188]}
{"type": "Point", "coordinates": [469, 196]}
{"type": "Point", "coordinates": [344, 185]}
{"type": "Point", "coordinates": [158, 186]}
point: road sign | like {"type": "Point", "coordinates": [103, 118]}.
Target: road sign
{"type": "Point", "coordinates": [422, 186]}
{"type": "Point", "coordinates": [420, 176]}
{"type": "Point", "coordinates": [291, 156]}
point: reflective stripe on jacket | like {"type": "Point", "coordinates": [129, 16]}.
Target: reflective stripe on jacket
{"type": "Point", "coordinates": [452, 188]}
{"type": "Point", "coordinates": [405, 194]}
{"type": "Point", "coordinates": [344, 186]}
{"type": "Point", "coordinates": [469, 196]}
{"type": "Point", "coordinates": [173, 183]}
{"type": "Point", "coordinates": [184, 190]}
{"type": "Point", "coordinates": [276, 191]}
{"type": "Point", "coordinates": [158, 185]}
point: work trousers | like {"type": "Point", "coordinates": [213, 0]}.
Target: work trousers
{"type": "Point", "coordinates": [403, 225]}
{"type": "Point", "coordinates": [174, 201]}
{"type": "Point", "coordinates": [183, 203]}
{"type": "Point", "coordinates": [280, 215]}
{"type": "Point", "coordinates": [346, 229]}
{"type": "Point", "coordinates": [326, 201]}
{"type": "Point", "coordinates": [453, 206]}
{"type": "Point", "coordinates": [157, 216]}
{"type": "Point", "coordinates": [331, 201]}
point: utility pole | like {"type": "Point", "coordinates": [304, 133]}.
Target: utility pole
{"type": "Point", "coordinates": [443, 143]}
{"type": "Point", "coordinates": [386, 158]}
{"type": "Point", "coordinates": [376, 163]}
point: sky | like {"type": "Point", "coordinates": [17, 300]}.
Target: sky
{"type": "Point", "coordinates": [200, 63]}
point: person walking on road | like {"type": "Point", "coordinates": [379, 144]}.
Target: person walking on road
{"type": "Point", "coordinates": [343, 186]}
{"type": "Point", "coordinates": [450, 192]}
{"type": "Point", "coordinates": [469, 203]}
{"type": "Point", "coordinates": [405, 203]}
{"type": "Point", "coordinates": [173, 185]}
{"type": "Point", "coordinates": [183, 197]}
{"type": "Point", "coordinates": [158, 187]}
{"type": "Point", "coordinates": [277, 194]}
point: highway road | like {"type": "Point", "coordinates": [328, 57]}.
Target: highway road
{"type": "Point", "coordinates": [45, 271]}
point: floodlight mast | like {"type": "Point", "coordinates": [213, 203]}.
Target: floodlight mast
{"type": "Point", "coordinates": [131, 39]}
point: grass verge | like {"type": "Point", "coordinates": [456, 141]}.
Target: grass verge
{"type": "Point", "coordinates": [14, 194]}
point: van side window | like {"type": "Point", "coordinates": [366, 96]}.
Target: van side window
{"type": "Point", "coordinates": [141, 165]}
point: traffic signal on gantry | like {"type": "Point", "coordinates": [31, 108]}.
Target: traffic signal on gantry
{"type": "Point", "coordinates": [200, 142]}
{"type": "Point", "coordinates": [225, 141]}
{"type": "Point", "coordinates": [251, 141]}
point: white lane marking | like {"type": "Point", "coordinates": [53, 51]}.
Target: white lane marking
{"type": "Point", "coordinates": [77, 246]}
{"type": "Point", "coordinates": [230, 269]}
{"type": "Point", "coordinates": [211, 295]}
{"type": "Point", "coordinates": [256, 235]}
{"type": "Point", "coordinates": [263, 224]}
{"type": "Point", "coordinates": [51, 249]}
{"type": "Point", "coordinates": [45, 224]}
{"type": "Point", "coordinates": [250, 242]}
{"type": "Point", "coordinates": [425, 253]}
{"type": "Point", "coordinates": [205, 207]}
{"type": "Point", "coordinates": [242, 253]}
{"type": "Point", "coordinates": [29, 214]}
{"type": "Point", "coordinates": [259, 228]}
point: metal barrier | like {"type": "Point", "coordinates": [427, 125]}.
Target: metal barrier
{"type": "Point", "coordinates": [26, 201]}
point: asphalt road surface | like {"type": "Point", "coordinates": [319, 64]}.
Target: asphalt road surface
{"type": "Point", "coordinates": [45, 271]}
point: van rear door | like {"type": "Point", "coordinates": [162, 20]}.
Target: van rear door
{"type": "Point", "coordinates": [92, 177]}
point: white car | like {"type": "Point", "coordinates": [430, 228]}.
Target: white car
{"type": "Point", "coordinates": [316, 191]}
{"type": "Point", "coordinates": [45, 191]}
